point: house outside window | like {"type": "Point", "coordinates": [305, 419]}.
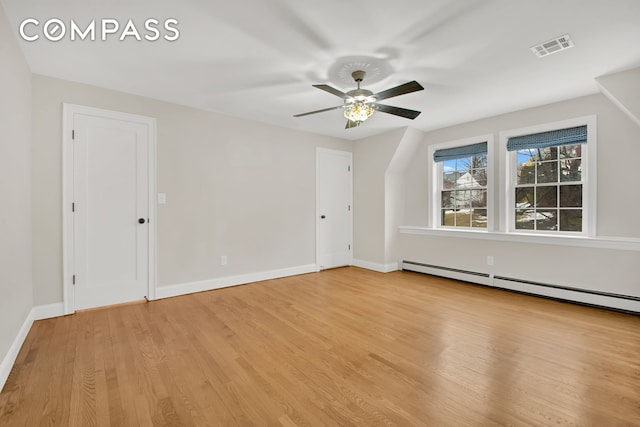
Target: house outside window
{"type": "Point", "coordinates": [462, 194]}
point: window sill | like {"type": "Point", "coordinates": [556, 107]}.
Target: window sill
{"type": "Point", "coordinates": [619, 243]}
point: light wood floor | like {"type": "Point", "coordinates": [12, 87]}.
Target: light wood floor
{"type": "Point", "coordinates": [341, 347]}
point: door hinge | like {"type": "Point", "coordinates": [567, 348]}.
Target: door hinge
{"type": "Point", "coordinates": [74, 280]}
{"type": "Point", "coordinates": [349, 168]}
{"type": "Point", "coordinates": [73, 134]}
{"type": "Point", "coordinates": [349, 208]}
{"type": "Point", "coordinates": [73, 207]}
{"type": "Point", "coordinates": [349, 247]}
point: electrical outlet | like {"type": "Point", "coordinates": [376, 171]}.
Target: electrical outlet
{"type": "Point", "coordinates": [223, 260]}
{"type": "Point", "coordinates": [490, 260]}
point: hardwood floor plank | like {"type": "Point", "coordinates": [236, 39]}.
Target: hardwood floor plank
{"type": "Point", "coordinates": [340, 347]}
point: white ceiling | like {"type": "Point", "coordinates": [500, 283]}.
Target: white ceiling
{"type": "Point", "coordinates": [258, 58]}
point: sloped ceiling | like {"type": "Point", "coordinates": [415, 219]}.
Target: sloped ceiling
{"type": "Point", "coordinates": [257, 59]}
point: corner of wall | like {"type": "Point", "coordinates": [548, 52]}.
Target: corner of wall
{"type": "Point", "coordinates": [16, 284]}
{"type": "Point", "coordinates": [394, 195]}
{"type": "Point", "coordinates": [622, 89]}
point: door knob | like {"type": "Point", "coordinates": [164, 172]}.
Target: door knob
{"type": "Point", "coordinates": [322, 216]}
{"type": "Point", "coordinates": [141, 221]}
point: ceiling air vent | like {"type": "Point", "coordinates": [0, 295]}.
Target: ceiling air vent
{"type": "Point", "coordinates": [553, 46]}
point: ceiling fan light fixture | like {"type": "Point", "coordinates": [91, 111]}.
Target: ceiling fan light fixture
{"type": "Point", "coordinates": [360, 104]}
{"type": "Point", "coordinates": [358, 111]}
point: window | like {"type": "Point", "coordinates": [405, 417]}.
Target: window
{"type": "Point", "coordinates": [462, 186]}
{"type": "Point", "coordinates": [548, 181]}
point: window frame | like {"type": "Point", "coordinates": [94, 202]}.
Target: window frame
{"type": "Point", "coordinates": [509, 170]}
{"type": "Point", "coordinates": [434, 190]}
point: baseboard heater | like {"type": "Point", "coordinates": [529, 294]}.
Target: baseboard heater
{"type": "Point", "coordinates": [626, 303]}
{"type": "Point", "coordinates": [452, 273]}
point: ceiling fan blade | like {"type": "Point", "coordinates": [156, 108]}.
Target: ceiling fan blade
{"type": "Point", "coordinates": [332, 91]}
{"type": "Point", "coordinates": [318, 111]}
{"type": "Point", "coordinates": [402, 112]}
{"type": "Point", "coordinates": [351, 124]}
{"type": "Point", "coordinates": [413, 86]}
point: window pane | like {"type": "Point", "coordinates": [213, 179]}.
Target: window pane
{"type": "Point", "coordinates": [547, 219]}
{"type": "Point", "coordinates": [478, 198]}
{"type": "Point", "coordinates": [463, 165]}
{"type": "Point", "coordinates": [525, 219]}
{"type": "Point", "coordinates": [449, 180]}
{"type": "Point", "coordinates": [547, 197]}
{"type": "Point", "coordinates": [447, 200]}
{"type": "Point", "coordinates": [479, 218]}
{"type": "Point", "coordinates": [570, 219]}
{"type": "Point", "coordinates": [524, 197]}
{"type": "Point", "coordinates": [548, 153]}
{"type": "Point", "coordinates": [571, 170]}
{"type": "Point", "coordinates": [466, 181]}
{"type": "Point", "coordinates": [479, 161]}
{"type": "Point", "coordinates": [527, 156]}
{"type": "Point", "coordinates": [526, 173]}
{"type": "Point", "coordinates": [463, 218]}
{"type": "Point", "coordinates": [570, 196]}
{"type": "Point", "coordinates": [448, 217]}
{"type": "Point", "coordinates": [547, 172]}
{"type": "Point", "coordinates": [449, 166]}
{"type": "Point", "coordinates": [463, 199]}
{"type": "Point", "coordinates": [570, 151]}
{"type": "Point", "coordinates": [479, 177]}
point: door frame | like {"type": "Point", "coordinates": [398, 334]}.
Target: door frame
{"type": "Point", "coordinates": [350, 156]}
{"type": "Point", "coordinates": [68, 113]}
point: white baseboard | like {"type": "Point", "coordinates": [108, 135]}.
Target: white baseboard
{"type": "Point", "coordinates": [224, 282]}
{"type": "Point", "coordinates": [381, 268]}
{"type": "Point", "coordinates": [9, 359]}
{"type": "Point", "coordinates": [37, 313]}
{"type": "Point", "coordinates": [48, 311]}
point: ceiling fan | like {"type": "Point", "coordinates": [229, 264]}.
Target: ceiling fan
{"type": "Point", "coordinates": [360, 104]}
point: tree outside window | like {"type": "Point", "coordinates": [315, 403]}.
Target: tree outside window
{"type": "Point", "coordinates": [548, 191]}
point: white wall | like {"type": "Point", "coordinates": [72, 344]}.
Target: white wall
{"type": "Point", "coordinates": [16, 296]}
{"type": "Point", "coordinates": [395, 194]}
{"type": "Point", "coordinates": [618, 160]}
{"type": "Point", "coordinates": [623, 89]}
{"type": "Point", "coordinates": [234, 187]}
{"type": "Point", "coordinates": [379, 195]}
{"type": "Point", "coordinates": [371, 158]}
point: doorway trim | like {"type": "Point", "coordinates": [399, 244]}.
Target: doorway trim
{"type": "Point", "coordinates": [68, 113]}
{"type": "Point", "coordinates": [341, 153]}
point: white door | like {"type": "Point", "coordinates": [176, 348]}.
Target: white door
{"type": "Point", "coordinates": [110, 210]}
{"type": "Point", "coordinates": [334, 208]}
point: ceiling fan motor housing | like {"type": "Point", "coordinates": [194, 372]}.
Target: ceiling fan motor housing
{"type": "Point", "coordinates": [361, 95]}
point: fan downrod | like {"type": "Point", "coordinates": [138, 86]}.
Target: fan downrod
{"type": "Point", "coordinates": [358, 76]}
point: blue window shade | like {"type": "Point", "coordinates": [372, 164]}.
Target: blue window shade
{"type": "Point", "coordinates": [460, 152]}
{"type": "Point", "coordinates": [554, 138]}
